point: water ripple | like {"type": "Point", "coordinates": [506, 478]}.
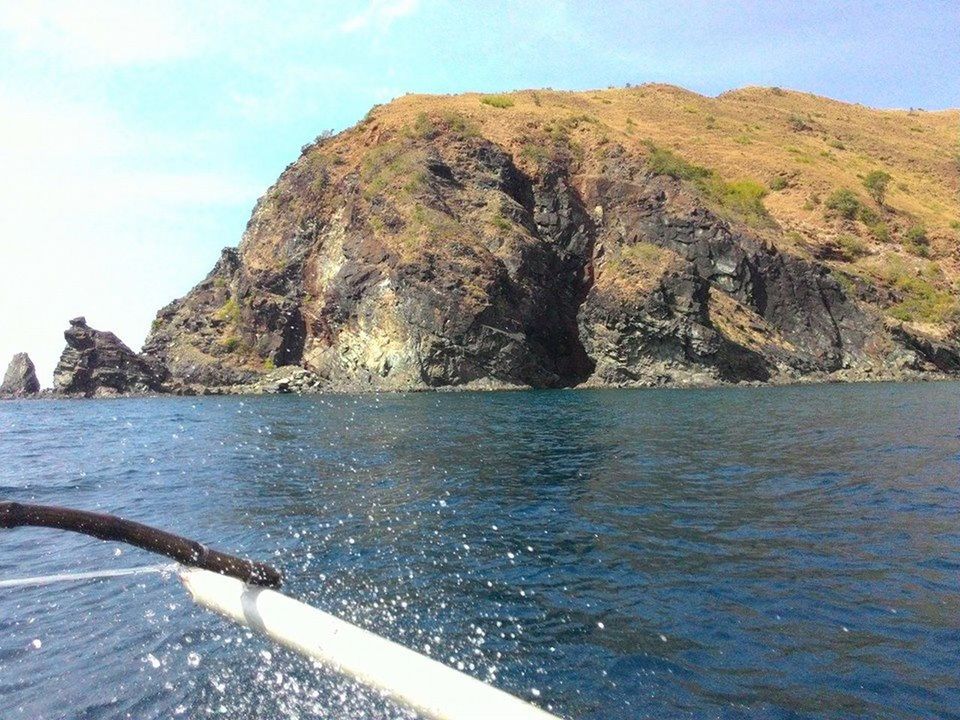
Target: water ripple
{"type": "Point", "coordinates": [772, 553]}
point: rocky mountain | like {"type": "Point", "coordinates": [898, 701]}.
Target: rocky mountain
{"type": "Point", "coordinates": [20, 380]}
{"type": "Point", "coordinates": [641, 235]}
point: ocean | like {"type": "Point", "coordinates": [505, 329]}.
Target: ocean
{"type": "Point", "coordinates": [786, 552]}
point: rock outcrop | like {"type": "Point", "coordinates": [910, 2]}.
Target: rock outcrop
{"type": "Point", "coordinates": [433, 246]}
{"type": "Point", "coordinates": [97, 363]}
{"type": "Point", "coordinates": [20, 380]}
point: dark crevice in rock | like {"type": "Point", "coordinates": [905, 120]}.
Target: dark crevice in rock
{"type": "Point", "coordinates": [568, 234]}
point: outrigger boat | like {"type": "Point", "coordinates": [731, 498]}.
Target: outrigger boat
{"type": "Point", "coordinates": [245, 591]}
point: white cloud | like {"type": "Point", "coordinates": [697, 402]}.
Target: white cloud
{"type": "Point", "coordinates": [379, 14]}
{"type": "Point", "coordinates": [102, 32]}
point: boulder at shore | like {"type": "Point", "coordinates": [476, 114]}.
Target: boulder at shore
{"type": "Point", "coordinates": [98, 363]}
{"type": "Point", "coordinates": [20, 378]}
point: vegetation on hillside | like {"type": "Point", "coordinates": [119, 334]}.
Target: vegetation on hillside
{"type": "Point", "coordinates": [879, 186]}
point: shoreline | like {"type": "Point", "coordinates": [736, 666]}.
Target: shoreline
{"type": "Point", "coordinates": [918, 377]}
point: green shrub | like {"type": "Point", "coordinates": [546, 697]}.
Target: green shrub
{"type": "Point", "coordinates": [917, 234]}
{"type": "Point", "coordinates": [661, 161]}
{"type": "Point", "coordinates": [642, 253]}
{"type": "Point", "coordinates": [923, 303]}
{"type": "Point", "coordinates": [779, 183]}
{"type": "Point", "coordinates": [876, 183]}
{"type": "Point", "coordinates": [535, 152]}
{"type": "Point", "coordinates": [423, 127]}
{"type": "Point", "coordinates": [744, 197]}
{"type": "Point", "coordinates": [269, 364]}
{"type": "Point", "coordinates": [834, 143]}
{"type": "Point", "coordinates": [868, 216]}
{"type": "Point", "coordinates": [229, 311]}
{"type": "Point", "coordinates": [741, 198]}
{"type": "Point", "coordinates": [880, 231]}
{"type": "Point", "coordinates": [915, 241]}
{"type": "Point", "coordinates": [851, 247]}
{"type": "Point", "coordinates": [846, 282]}
{"type": "Point", "coordinates": [845, 203]}
{"type": "Point", "coordinates": [497, 101]}
{"type": "Point", "coordinates": [230, 343]}
{"type": "Point", "coordinates": [955, 224]}
{"type": "Point", "coordinates": [876, 226]}
{"type": "Point", "coordinates": [797, 123]}
{"type": "Point", "coordinates": [460, 124]}
{"type": "Point", "coordinates": [501, 223]}
{"type": "Point", "coordinates": [921, 300]}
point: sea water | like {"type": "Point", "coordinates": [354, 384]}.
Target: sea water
{"type": "Point", "coordinates": [731, 553]}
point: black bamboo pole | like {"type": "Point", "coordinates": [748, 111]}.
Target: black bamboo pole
{"type": "Point", "coordinates": [111, 527]}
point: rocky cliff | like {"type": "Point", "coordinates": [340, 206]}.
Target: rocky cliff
{"type": "Point", "coordinates": [97, 363]}
{"type": "Point", "coordinates": [635, 236]}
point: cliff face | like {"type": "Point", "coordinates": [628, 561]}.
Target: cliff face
{"type": "Point", "coordinates": [532, 240]}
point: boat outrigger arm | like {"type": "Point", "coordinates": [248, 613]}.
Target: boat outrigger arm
{"type": "Point", "coordinates": [241, 590]}
{"type": "Point", "coordinates": [110, 527]}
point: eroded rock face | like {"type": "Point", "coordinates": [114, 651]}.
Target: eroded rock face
{"type": "Point", "coordinates": [731, 305]}
{"type": "Point", "coordinates": [441, 258]}
{"type": "Point", "coordinates": [97, 363]}
{"type": "Point", "coordinates": [210, 337]}
{"type": "Point", "coordinates": [20, 380]}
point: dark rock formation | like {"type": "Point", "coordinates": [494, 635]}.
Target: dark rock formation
{"type": "Point", "coordinates": [228, 317]}
{"type": "Point", "coordinates": [97, 363]}
{"type": "Point", "coordinates": [20, 379]}
{"type": "Point", "coordinates": [942, 356]}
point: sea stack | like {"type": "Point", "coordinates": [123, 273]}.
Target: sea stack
{"type": "Point", "coordinates": [97, 363]}
{"type": "Point", "coordinates": [20, 379]}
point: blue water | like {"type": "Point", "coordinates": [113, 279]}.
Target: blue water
{"type": "Point", "coordinates": [735, 553]}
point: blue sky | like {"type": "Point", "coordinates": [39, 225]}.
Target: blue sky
{"type": "Point", "coordinates": [135, 137]}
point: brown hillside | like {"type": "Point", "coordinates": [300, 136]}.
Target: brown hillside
{"type": "Point", "coordinates": [815, 144]}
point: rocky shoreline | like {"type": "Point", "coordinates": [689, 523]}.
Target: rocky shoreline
{"type": "Point", "coordinates": [299, 381]}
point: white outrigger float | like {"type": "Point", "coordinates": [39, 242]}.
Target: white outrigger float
{"type": "Point", "coordinates": [243, 591]}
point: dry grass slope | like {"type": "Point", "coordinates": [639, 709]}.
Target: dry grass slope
{"type": "Point", "coordinates": [774, 159]}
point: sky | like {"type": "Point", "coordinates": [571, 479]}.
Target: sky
{"type": "Point", "coordinates": [135, 137]}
